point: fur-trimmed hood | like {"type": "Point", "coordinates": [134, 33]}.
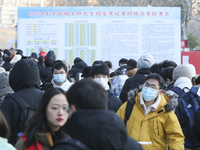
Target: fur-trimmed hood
{"type": "Point", "coordinates": [172, 100]}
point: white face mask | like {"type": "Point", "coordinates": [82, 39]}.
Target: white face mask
{"type": "Point", "coordinates": [102, 81]}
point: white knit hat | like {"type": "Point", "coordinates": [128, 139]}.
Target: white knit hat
{"type": "Point", "coordinates": [192, 69]}
{"type": "Point", "coordinates": [181, 71]}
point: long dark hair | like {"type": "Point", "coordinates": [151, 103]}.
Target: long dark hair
{"type": "Point", "coordinates": [37, 123]}
{"type": "Point", "coordinates": [4, 129]}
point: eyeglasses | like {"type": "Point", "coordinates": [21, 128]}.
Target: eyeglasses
{"type": "Point", "coordinates": [152, 86]}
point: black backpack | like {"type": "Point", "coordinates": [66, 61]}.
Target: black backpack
{"type": "Point", "coordinates": [188, 105]}
{"type": "Point", "coordinates": [69, 144]}
{"type": "Point", "coordinates": [129, 108]}
{"type": "Point", "coordinates": [27, 111]}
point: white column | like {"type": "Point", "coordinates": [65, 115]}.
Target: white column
{"type": "Point", "coordinates": [16, 3]}
{"type": "Point", "coordinates": [41, 3]}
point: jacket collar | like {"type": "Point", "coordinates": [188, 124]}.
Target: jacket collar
{"type": "Point", "coordinates": [166, 104]}
{"type": "Point", "coordinates": [183, 82]}
{"type": "Point", "coordinates": [143, 71]}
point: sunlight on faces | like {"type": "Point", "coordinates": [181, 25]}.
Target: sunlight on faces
{"type": "Point", "coordinates": [56, 113]}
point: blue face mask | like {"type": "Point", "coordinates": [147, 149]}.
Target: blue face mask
{"type": "Point", "coordinates": [149, 93]}
{"type": "Point", "coordinates": [59, 78]}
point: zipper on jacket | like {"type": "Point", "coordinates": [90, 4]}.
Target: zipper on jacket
{"type": "Point", "coordinates": [141, 123]}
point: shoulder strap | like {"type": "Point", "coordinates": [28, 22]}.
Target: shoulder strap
{"type": "Point", "coordinates": [194, 89]}
{"type": "Point", "coordinates": [177, 90]}
{"type": "Point", "coordinates": [129, 108]}
{"type": "Point", "coordinates": [20, 101]}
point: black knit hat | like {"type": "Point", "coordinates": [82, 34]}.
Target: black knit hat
{"type": "Point", "coordinates": [99, 69]}
{"type": "Point", "coordinates": [97, 62]}
{"type": "Point", "coordinates": [131, 64]}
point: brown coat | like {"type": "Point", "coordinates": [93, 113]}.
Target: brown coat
{"type": "Point", "coordinates": [131, 72]}
{"type": "Point", "coordinates": [45, 139]}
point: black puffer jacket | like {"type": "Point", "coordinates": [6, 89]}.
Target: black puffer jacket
{"type": "Point", "coordinates": [77, 68]}
{"type": "Point", "coordinates": [133, 82]}
{"type": "Point", "coordinates": [113, 102]}
{"type": "Point", "coordinates": [45, 73]}
{"type": "Point", "coordinates": [100, 130]}
{"type": "Point", "coordinates": [24, 80]}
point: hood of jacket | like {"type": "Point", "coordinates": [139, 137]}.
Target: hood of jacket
{"type": "Point", "coordinates": [98, 129]}
{"type": "Point", "coordinates": [25, 74]}
{"type": "Point", "coordinates": [183, 82]}
{"type": "Point", "coordinates": [50, 54]}
{"type": "Point", "coordinates": [81, 64]}
{"type": "Point", "coordinates": [171, 101]}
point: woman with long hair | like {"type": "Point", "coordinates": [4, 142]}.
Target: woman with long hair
{"type": "Point", "coordinates": [44, 127]}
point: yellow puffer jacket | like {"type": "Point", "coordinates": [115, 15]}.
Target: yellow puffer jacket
{"type": "Point", "coordinates": [161, 127]}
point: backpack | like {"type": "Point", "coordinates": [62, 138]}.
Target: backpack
{"type": "Point", "coordinates": [129, 108]}
{"type": "Point", "coordinates": [187, 106]}
{"type": "Point", "coordinates": [69, 144]}
{"type": "Point", "coordinates": [27, 111]}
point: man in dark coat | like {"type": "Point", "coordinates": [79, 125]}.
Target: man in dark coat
{"type": "Point", "coordinates": [122, 66]}
{"type": "Point", "coordinates": [7, 65]}
{"type": "Point", "coordinates": [78, 66]}
{"type": "Point", "coordinates": [91, 124]}
{"type": "Point", "coordinates": [24, 80]}
{"type": "Point", "coordinates": [100, 74]}
{"type": "Point", "coordinates": [46, 71]}
{"type": "Point", "coordinates": [144, 64]}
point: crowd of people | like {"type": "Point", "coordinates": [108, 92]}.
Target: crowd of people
{"type": "Point", "coordinates": [49, 104]}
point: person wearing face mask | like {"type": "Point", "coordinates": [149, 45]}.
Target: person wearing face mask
{"type": "Point", "coordinates": [59, 80]}
{"type": "Point", "coordinates": [100, 74]}
{"type": "Point", "coordinates": [152, 121]}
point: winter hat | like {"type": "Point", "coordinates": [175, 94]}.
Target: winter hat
{"type": "Point", "coordinates": [192, 69]}
{"type": "Point", "coordinates": [97, 62]}
{"type": "Point", "coordinates": [19, 52]}
{"type": "Point", "coordinates": [2, 70]}
{"type": "Point", "coordinates": [131, 64]}
{"type": "Point", "coordinates": [145, 61]}
{"type": "Point", "coordinates": [77, 59]}
{"type": "Point", "coordinates": [49, 62]}
{"type": "Point", "coordinates": [34, 55]}
{"type": "Point", "coordinates": [181, 71]}
{"type": "Point", "coordinates": [99, 69]}
{"type": "Point", "coordinates": [86, 72]}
